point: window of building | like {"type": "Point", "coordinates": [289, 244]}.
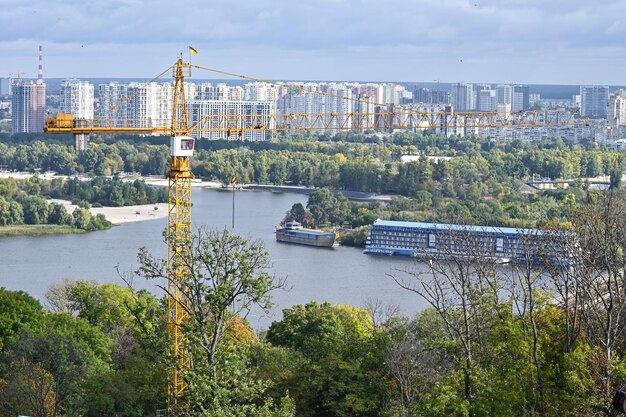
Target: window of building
{"type": "Point", "coordinates": [499, 244]}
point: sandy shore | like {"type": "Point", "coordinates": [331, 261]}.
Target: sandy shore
{"type": "Point", "coordinates": [120, 215]}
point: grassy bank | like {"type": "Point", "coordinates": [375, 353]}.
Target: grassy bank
{"type": "Point", "coordinates": [38, 230]}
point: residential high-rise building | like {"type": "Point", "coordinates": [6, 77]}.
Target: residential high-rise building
{"type": "Point", "coordinates": [390, 94]}
{"type": "Point", "coordinates": [594, 100]}
{"type": "Point", "coordinates": [28, 103]}
{"type": "Point", "coordinates": [339, 101]}
{"type": "Point", "coordinates": [77, 98]}
{"type": "Point", "coordinates": [427, 96]}
{"type": "Point", "coordinates": [486, 100]}
{"type": "Point", "coordinates": [111, 104]}
{"type": "Point", "coordinates": [504, 94]}
{"type": "Point", "coordinates": [364, 108]}
{"type": "Point", "coordinates": [477, 89]}
{"type": "Point", "coordinates": [521, 98]}
{"type": "Point", "coordinates": [5, 86]}
{"type": "Point", "coordinates": [28, 106]}
{"type": "Point", "coordinates": [149, 105]}
{"type": "Point", "coordinates": [462, 97]}
{"type": "Point", "coordinates": [198, 109]}
{"type": "Point", "coordinates": [616, 112]}
{"type": "Point", "coordinates": [208, 91]}
{"type": "Point", "coordinates": [257, 92]}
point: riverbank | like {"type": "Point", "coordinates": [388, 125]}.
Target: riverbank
{"type": "Point", "coordinates": [116, 215]}
{"type": "Point", "coordinates": [38, 230]}
{"type": "Point", "coordinates": [121, 215]}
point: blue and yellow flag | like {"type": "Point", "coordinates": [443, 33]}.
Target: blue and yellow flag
{"type": "Point", "coordinates": [192, 51]}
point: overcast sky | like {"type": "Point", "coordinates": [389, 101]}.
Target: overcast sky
{"type": "Point", "coordinates": [513, 41]}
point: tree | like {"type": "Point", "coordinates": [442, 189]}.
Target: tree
{"type": "Point", "coordinates": [414, 359]}
{"type": "Point", "coordinates": [341, 371]}
{"type": "Point", "coordinates": [526, 279]}
{"type": "Point", "coordinates": [17, 310]}
{"type": "Point", "coordinates": [615, 178]}
{"type": "Point", "coordinates": [227, 276]}
{"type": "Point", "coordinates": [58, 214]}
{"type": "Point", "coordinates": [325, 208]}
{"type": "Point", "coordinates": [600, 267]}
{"type": "Point", "coordinates": [341, 209]}
{"type": "Point", "coordinates": [81, 218]}
{"type": "Point", "coordinates": [461, 286]}
{"type": "Point", "coordinates": [35, 209]}
{"type": "Point", "coordinates": [49, 367]}
{"type": "Point", "coordinates": [297, 213]}
{"type": "Point", "coordinates": [134, 322]}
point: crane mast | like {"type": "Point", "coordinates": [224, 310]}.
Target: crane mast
{"type": "Point", "coordinates": [179, 240]}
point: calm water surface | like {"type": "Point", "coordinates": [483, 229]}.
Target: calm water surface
{"type": "Point", "coordinates": [340, 275]}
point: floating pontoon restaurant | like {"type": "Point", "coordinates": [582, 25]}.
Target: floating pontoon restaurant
{"type": "Point", "coordinates": [438, 240]}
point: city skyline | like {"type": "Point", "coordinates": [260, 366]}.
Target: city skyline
{"type": "Point", "coordinates": [525, 42]}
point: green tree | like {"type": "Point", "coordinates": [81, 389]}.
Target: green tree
{"type": "Point", "coordinates": [227, 276]}
{"type": "Point", "coordinates": [341, 369]}
{"type": "Point", "coordinates": [35, 209]}
{"type": "Point", "coordinates": [321, 204]}
{"type": "Point", "coordinates": [17, 310]}
{"type": "Point", "coordinates": [58, 214]}
{"type": "Point", "coordinates": [48, 367]}
{"type": "Point", "coordinates": [81, 218]}
{"type": "Point", "coordinates": [296, 212]}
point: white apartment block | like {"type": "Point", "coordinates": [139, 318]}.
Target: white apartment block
{"type": "Point", "coordinates": [213, 114]}
{"type": "Point", "coordinates": [208, 91]}
{"type": "Point", "coordinates": [260, 92]}
{"type": "Point", "coordinates": [77, 98]}
{"type": "Point", "coordinates": [616, 113]}
{"type": "Point", "coordinates": [389, 94]}
{"type": "Point", "coordinates": [111, 104]}
{"type": "Point", "coordinates": [147, 105]}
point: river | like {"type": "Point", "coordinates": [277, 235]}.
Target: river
{"type": "Point", "coordinates": [340, 275]}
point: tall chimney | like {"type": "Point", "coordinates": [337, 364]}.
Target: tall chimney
{"type": "Point", "coordinates": [40, 76]}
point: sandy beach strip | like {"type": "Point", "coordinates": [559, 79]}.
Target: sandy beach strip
{"type": "Point", "coordinates": [121, 215]}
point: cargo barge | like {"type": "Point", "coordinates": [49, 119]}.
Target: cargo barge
{"type": "Point", "coordinates": [293, 232]}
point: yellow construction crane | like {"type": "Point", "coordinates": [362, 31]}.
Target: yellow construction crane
{"type": "Point", "coordinates": [179, 216]}
{"type": "Point", "coordinates": [386, 118]}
